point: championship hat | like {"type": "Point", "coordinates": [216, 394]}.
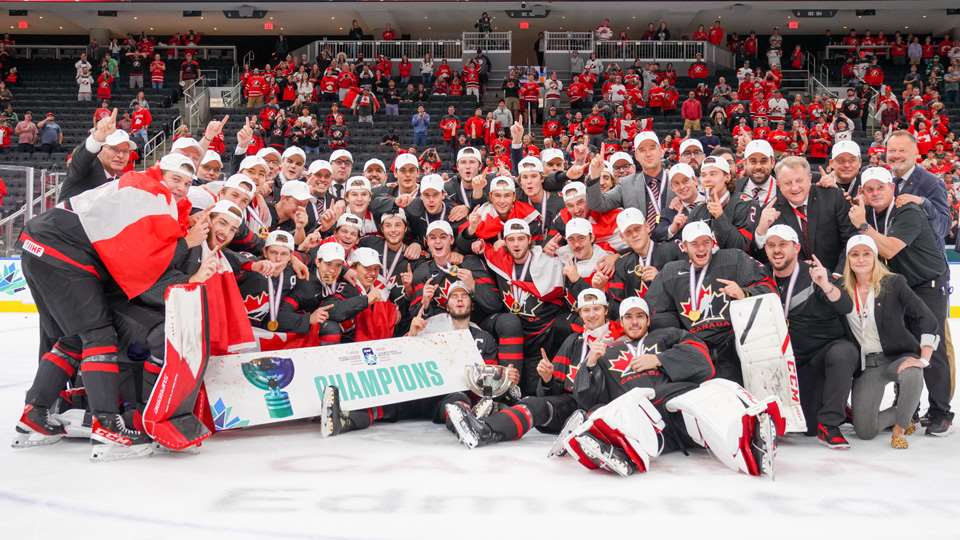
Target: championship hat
{"type": "Point", "coordinates": [281, 239]}
{"type": "Point", "coordinates": [578, 226]}
{"type": "Point", "coordinates": [782, 231]}
{"type": "Point", "coordinates": [331, 251]}
{"type": "Point", "coordinates": [634, 302]}
{"type": "Point", "coordinates": [591, 297]}
{"type": "Point", "coordinates": [629, 217]}
{"type": "Point", "coordinates": [515, 226]}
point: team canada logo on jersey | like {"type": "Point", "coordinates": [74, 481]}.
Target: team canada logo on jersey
{"type": "Point", "coordinates": [256, 306]}
{"type": "Point", "coordinates": [621, 364]}
{"type": "Point", "coordinates": [711, 306]}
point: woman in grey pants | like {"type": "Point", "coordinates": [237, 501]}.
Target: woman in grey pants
{"type": "Point", "coordinates": [885, 318]}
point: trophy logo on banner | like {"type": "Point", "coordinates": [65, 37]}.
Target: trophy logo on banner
{"type": "Point", "coordinates": [272, 374]}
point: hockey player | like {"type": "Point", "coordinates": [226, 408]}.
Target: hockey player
{"type": "Point", "coordinates": [461, 189]}
{"type": "Point", "coordinates": [290, 214]}
{"type": "Point", "coordinates": [732, 217]}
{"type": "Point", "coordinates": [695, 294]}
{"type": "Point", "coordinates": [357, 194]}
{"type": "Point", "coordinates": [60, 247]}
{"type": "Point", "coordinates": [605, 230]}
{"type": "Point", "coordinates": [638, 267]}
{"type": "Point", "coordinates": [530, 177]}
{"type": "Point", "coordinates": [582, 259]}
{"type": "Point", "coordinates": [491, 216]}
{"type": "Point", "coordinates": [430, 205]}
{"type": "Point", "coordinates": [656, 395]}
{"type": "Point", "coordinates": [553, 403]}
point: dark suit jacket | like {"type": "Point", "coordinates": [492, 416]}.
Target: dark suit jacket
{"type": "Point", "coordinates": [85, 172]}
{"type": "Point", "coordinates": [931, 187]}
{"type": "Point", "coordinates": [828, 223]}
{"type": "Point", "coordinates": [902, 317]}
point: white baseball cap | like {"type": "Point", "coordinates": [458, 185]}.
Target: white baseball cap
{"type": "Point", "coordinates": [861, 240]}
{"type": "Point", "coordinates": [280, 238]}
{"type": "Point", "coordinates": [294, 151]}
{"type": "Point", "coordinates": [530, 163]}
{"type": "Point", "coordinates": [186, 142]}
{"type": "Point", "coordinates": [404, 160]}
{"type": "Point", "coordinates": [457, 285]}
{"type": "Point", "coordinates": [357, 183]}
{"type": "Point", "coordinates": [209, 156]}
{"type": "Point", "coordinates": [250, 162]}
{"type": "Point", "coordinates": [400, 214]}
{"type": "Point", "coordinates": [431, 181]}
{"type": "Point", "coordinates": [331, 251]}
{"type": "Point", "coordinates": [715, 162]}
{"type": "Point", "coordinates": [268, 151]}
{"type": "Point", "coordinates": [365, 256]}
{"type": "Point", "coordinates": [634, 302]}
{"type": "Point", "coordinates": [645, 136]}
{"type": "Point", "coordinates": [200, 197]}
{"type": "Point", "coordinates": [296, 189]}
{"type": "Point", "coordinates": [782, 231]}
{"type": "Point", "coordinates": [503, 183]}
{"type": "Point", "coordinates": [341, 153]}
{"type": "Point", "coordinates": [629, 217]}
{"type": "Point", "coordinates": [578, 226]}
{"type": "Point", "coordinates": [845, 147]}
{"type": "Point", "coordinates": [876, 173]}
{"type": "Point", "coordinates": [177, 163]}
{"type": "Point", "coordinates": [441, 226]}
{"type": "Point", "coordinates": [351, 220]}
{"type": "Point", "coordinates": [695, 230]}
{"type": "Point", "coordinates": [229, 210]}
{"type": "Point", "coordinates": [374, 161]}
{"type": "Point", "coordinates": [574, 190]}
{"type": "Point", "coordinates": [551, 154]}
{"type": "Point", "coordinates": [468, 152]}
{"type": "Point", "coordinates": [242, 182]}
{"type": "Point", "coordinates": [758, 146]}
{"type": "Point", "coordinates": [687, 143]}
{"type": "Point", "coordinates": [619, 156]}
{"type": "Point", "coordinates": [119, 137]}
{"type": "Point", "coordinates": [591, 297]}
{"type": "Point", "coordinates": [515, 226]}
{"type": "Point", "coordinates": [681, 168]}
{"type": "Point", "coordinates": [318, 165]}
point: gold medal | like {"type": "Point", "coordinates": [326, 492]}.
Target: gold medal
{"type": "Point", "coordinates": [264, 233]}
{"type": "Point", "coordinates": [694, 315]}
{"type": "Point", "coordinates": [272, 326]}
{"type": "Point", "coordinates": [638, 271]}
{"type": "Point", "coordinates": [515, 308]}
{"type": "Point", "coordinates": [454, 270]}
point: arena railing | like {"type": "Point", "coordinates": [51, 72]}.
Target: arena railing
{"type": "Point", "coordinates": [414, 50]}
{"type": "Point", "coordinates": [663, 51]}
{"type": "Point", "coordinates": [205, 52]}
{"type": "Point", "coordinates": [41, 188]}
{"type": "Point", "coordinates": [568, 42]}
{"type": "Point", "coordinates": [858, 49]}
{"type": "Point", "coordinates": [487, 41]}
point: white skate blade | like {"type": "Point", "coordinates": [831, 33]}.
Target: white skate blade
{"type": "Point", "coordinates": [606, 461]}
{"type": "Point", "coordinates": [559, 448]}
{"type": "Point", "coordinates": [72, 422]}
{"type": "Point", "coordinates": [466, 436]}
{"type": "Point", "coordinates": [102, 453]}
{"type": "Point", "coordinates": [161, 449]}
{"type": "Point", "coordinates": [326, 413]}
{"type": "Point", "coordinates": [767, 432]}
{"type": "Point", "coordinates": [32, 439]}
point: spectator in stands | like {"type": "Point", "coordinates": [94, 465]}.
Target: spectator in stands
{"type": "Point", "coordinates": [26, 132]}
{"type": "Point", "coordinates": [603, 31]}
{"type": "Point", "coordinates": [356, 33]}
{"type": "Point", "coordinates": [576, 63]}
{"type": "Point", "coordinates": [189, 70]}
{"type": "Point", "coordinates": [140, 99]}
{"type": "Point", "coordinates": [951, 85]}
{"type": "Point", "coordinates": [158, 69]}
{"type": "Point", "coordinates": [85, 85]}
{"type": "Point", "coordinates": [104, 84]}
{"type": "Point", "coordinates": [709, 140]}
{"type": "Point", "coordinates": [663, 33]}
{"type": "Point", "coordinates": [50, 135]}
{"type": "Point", "coordinates": [140, 121]}
{"type": "Point", "coordinates": [82, 63]}
{"type": "Point", "coordinates": [112, 66]}
{"type": "Point", "coordinates": [136, 69]}
{"type": "Point", "coordinates": [776, 40]}
{"type": "Point", "coordinates": [698, 69]}
{"type": "Point", "coordinates": [9, 115]}
{"type": "Point", "coordinates": [6, 96]}
{"type": "Point", "coordinates": [484, 24]}
{"type": "Point", "coordinates": [421, 125]}
{"type": "Point", "coordinates": [426, 70]}
{"type": "Point", "coordinates": [502, 114]}
{"type": "Point", "coordinates": [540, 48]}
{"type": "Point", "coordinates": [915, 51]}
{"type": "Point", "coordinates": [691, 112]}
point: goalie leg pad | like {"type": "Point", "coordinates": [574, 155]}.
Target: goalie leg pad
{"type": "Point", "coordinates": [630, 423]}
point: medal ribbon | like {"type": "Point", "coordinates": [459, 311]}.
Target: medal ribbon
{"type": "Point", "coordinates": [273, 302]}
{"type": "Point", "coordinates": [696, 285]}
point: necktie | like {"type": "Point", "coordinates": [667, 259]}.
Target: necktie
{"type": "Point", "coordinates": [897, 183]}
{"type": "Point", "coordinates": [652, 213]}
{"type": "Point", "coordinates": [801, 213]}
{"type": "Point", "coordinates": [755, 192]}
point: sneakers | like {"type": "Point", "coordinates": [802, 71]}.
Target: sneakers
{"type": "Point", "coordinates": [559, 448]}
{"type": "Point", "coordinates": [831, 437]}
{"type": "Point", "coordinates": [606, 456]}
{"type": "Point", "coordinates": [764, 444]}
{"type": "Point", "coordinates": [472, 431]}
{"type": "Point", "coordinates": [331, 416]}
{"type": "Point", "coordinates": [939, 425]}
{"type": "Point", "coordinates": [113, 440]}
{"type": "Point", "coordinates": [37, 427]}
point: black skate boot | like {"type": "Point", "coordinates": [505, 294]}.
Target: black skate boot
{"type": "Point", "coordinates": [605, 455]}
{"type": "Point", "coordinates": [472, 431]}
{"type": "Point", "coordinates": [332, 419]}
{"type": "Point", "coordinates": [36, 427]}
{"type": "Point", "coordinates": [559, 448]}
{"type": "Point", "coordinates": [113, 440]}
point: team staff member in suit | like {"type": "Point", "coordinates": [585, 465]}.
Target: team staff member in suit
{"type": "Point", "coordinates": [100, 159]}
{"type": "Point", "coordinates": [885, 320]}
{"type": "Point", "coordinates": [648, 189]}
{"type": "Point", "coordinates": [758, 182]}
{"type": "Point", "coordinates": [815, 307]}
{"type": "Point", "coordinates": [909, 246]}
{"type": "Point", "coordinates": [817, 214]}
{"type": "Point", "coordinates": [916, 185]}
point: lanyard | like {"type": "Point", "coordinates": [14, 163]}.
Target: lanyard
{"type": "Point", "coordinates": [443, 215]}
{"type": "Point", "coordinates": [770, 190]}
{"type": "Point", "coordinates": [695, 286]}
{"type": "Point", "coordinates": [275, 296]}
{"type": "Point", "coordinates": [654, 200]}
{"type": "Point", "coordinates": [789, 296]}
{"type": "Point", "coordinates": [635, 351]}
{"type": "Point", "coordinates": [590, 336]}
{"type": "Point", "coordinates": [648, 261]}
{"type": "Point", "coordinates": [252, 213]}
{"type": "Point", "coordinates": [463, 193]}
{"type": "Point", "coordinates": [386, 259]}
{"type": "Point", "coordinates": [886, 218]}
{"type": "Point", "coordinates": [518, 291]}
{"type": "Point", "coordinates": [328, 290]}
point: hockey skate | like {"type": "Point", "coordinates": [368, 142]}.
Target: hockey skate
{"type": "Point", "coordinates": [37, 427]}
{"type": "Point", "coordinates": [76, 423]}
{"type": "Point", "coordinates": [472, 431]}
{"type": "Point", "coordinates": [559, 448]}
{"type": "Point", "coordinates": [763, 444]}
{"type": "Point", "coordinates": [605, 455]}
{"type": "Point", "coordinates": [332, 419]}
{"type": "Point", "coordinates": [112, 440]}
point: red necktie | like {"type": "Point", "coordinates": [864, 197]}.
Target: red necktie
{"type": "Point", "coordinates": [801, 214]}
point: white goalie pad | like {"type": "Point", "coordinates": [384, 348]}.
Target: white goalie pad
{"type": "Point", "coordinates": [630, 422]}
{"type": "Point", "coordinates": [766, 355]}
{"type": "Point", "coordinates": [721, 416]}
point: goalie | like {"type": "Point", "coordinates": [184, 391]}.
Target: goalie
{"type": "Point", "coordinates": [656, 394]}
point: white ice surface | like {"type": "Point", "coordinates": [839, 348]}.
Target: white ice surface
{"type": "Point", "coordinates": [414, 481]}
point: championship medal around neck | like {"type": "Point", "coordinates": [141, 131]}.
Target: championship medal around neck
{"type": "Point", "coordinates": [694, 315]}
{"type": "Point", "coordinates": [273, 326]}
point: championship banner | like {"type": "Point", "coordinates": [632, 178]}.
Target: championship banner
{"type": "Point", "coordinates": [766, 355]}
{"type": "Point", "coordinates": [265, 387]}
{"type": "Point", "coordinates": [14, 295]}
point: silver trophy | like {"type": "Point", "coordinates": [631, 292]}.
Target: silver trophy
{"type": "Point", "coordinates": [489, 382]}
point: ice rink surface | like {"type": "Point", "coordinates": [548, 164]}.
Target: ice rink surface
{"type": "Point", "coordinates": [415, 481]}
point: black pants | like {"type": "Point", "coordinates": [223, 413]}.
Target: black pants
{"type": "Point", "coordinates": [937, 375]}
{"type": "Point", "coordinates": [519, 341]}
{"type": "Point", "coordinates": [825, 382]}
{"type": "Point", "coordinates": [726, 360]}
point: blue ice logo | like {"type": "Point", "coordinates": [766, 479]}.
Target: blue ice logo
{"type": "Point", "coordinates": [369, 356]}
{"type": "Point", "coordinates": [11, 280]}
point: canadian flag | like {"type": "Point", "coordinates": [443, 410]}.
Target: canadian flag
{"type": "Point", "coordinates": [133, 224]}
{"type": "Point", "coordinates": [230, 330]}
{"type": "Point", "coordinates": [545, 274]}
{"type": "Point", "coordinates": [491, 225]}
